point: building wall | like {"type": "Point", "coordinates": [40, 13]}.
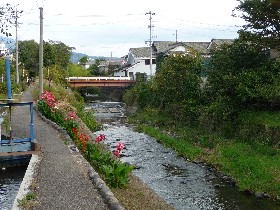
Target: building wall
{"type": "Point", "coordinates": [142, 68]}
{"type": "Point", "coordinates": [3, 49]}
{"type": "Point", "coordinates": [138, 68]}
{"type": "Point", "coordinates": [119, 74]}
{"type": "Point", "coordinates": [130, 59]}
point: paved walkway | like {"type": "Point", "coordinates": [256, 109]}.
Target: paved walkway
{"type": "Point", "coordinates": [62, 182]}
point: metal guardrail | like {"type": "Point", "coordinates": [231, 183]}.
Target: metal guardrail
{"type": "Point", "coordinates": [100, 81]}
{"type": "Point", "coordinates": [19, 144]}
{"type": "Point", "coordinates": [98, 78]}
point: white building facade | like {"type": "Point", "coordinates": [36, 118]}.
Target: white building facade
{"type": "Point", "coordinates": [138, 61]}
{"type": "Point", "coordinates": [3, 50]}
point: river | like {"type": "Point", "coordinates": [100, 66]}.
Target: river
{"type": "Point", "coordinates": [10, 180]}
{"type": "Point", "coordinates": [183, 184]}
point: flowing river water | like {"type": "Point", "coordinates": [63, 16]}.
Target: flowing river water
{"type": "Point", "coordinates": [10, 180]}
{"type": "Point", "coordinates": [183, 184]}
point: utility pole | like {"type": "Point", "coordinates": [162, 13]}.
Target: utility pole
{"type": "Point", "coordinates": [41, 53]}
{"type": "Point", "coordinates": [176, 34]}
{"type": "Point", "coordinates": [17, 72]}
{"type": "Point", "coordinates": [150, 42]}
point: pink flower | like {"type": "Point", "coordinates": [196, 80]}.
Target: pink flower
{"type": "Point", "coordinates": [72, 115]}
{"type": "Point", "coordinates": [103, 137]}
{"type": "Point", "coordinates": [116, 152]}
{"type": "Point", "coordinates": [49, 98]}
{"type": "Point", "coordinates": [120, 146]}
{"type": "Point", "coordinates": [100, 137]}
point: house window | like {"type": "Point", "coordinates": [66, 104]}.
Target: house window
{"type": "Point", "coordinates": [131, 75]}
{"type": "Point", "coordinates": [147, 61]}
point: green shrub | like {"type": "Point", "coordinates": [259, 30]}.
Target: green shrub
{"type": "Point", "coordinates": [115, 172]}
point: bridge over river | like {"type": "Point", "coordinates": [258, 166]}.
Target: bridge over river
{"type": "Point", "coordinates": [100, 81]}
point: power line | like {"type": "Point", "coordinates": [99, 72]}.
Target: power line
{"type": "Point", "coordinates": [203, 28]}
{"type": "Point", "coordinates": [200, 23]}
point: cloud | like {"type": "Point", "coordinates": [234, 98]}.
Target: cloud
{"type": "Point", "coordinates": [115, 26]}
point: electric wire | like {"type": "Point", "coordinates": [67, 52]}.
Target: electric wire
{"type": "Point", "coordinates": [98, 23]}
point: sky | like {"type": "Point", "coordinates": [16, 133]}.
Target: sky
{"type": "Point", "coordinates": [111, 28]}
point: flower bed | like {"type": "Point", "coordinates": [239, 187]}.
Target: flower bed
{"type": "Point", "coordinates": [105, 162]}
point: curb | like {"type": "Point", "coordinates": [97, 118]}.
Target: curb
{"type": "Point", "coordinates": [27, 181]}
{"type": "Point", "coordinates": [106, 193]}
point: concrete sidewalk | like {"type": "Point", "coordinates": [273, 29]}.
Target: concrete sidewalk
{"type": "Point", "coordinates": [61, 176]}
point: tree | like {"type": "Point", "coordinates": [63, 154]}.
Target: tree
{"type": "Point", "coordinates": [56, 74]}
{"type": "Point", "coordinates": [49, 55]}
{"type": "Point", "coordinates": [83, 60]}
{"type": "Point", "coordinates": [62, 53]}
{"type": "Point", "coordinates": [240, 75]}
{"type": "Point", "coordinates": [77, 71]}
{"type": "Point", "coordinates": [8, 15]}
{"type": "Point", "coordinates": [29, 55]}
{"type": "Point", "coordinates": [263, 19]}
{"type": "Point", "coordinates": [55, 53]}
{"type": "Point", "coordinates": [177, 85]}
{"type": "Point", "coordinates": [94, 68]}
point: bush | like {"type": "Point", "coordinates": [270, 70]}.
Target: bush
{"type": "Point", "coordinates": [115, 172]}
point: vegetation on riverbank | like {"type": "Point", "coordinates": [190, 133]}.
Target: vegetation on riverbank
{"type": "Point", "coordinates": [223, 109]}
{"type": "Point", "coordinates": [253, 167]}
{"type": "Point", "coordinates": [224, 121]}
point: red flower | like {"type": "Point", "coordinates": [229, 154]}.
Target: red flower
{"type": "Point", "coordinates": [100, 137]}
{"type": "Point", "coordinates": [83, 140]}
{"type": "Point", "coordinates": [120, 146]}
{"type": "Point", "coordinates": [116, 152]}
{"type": "Point", "coordinates": [72, 115]}
{"type": "Point", "coordinates": [49, 98]}
{"type": "Point", "coordinates": [75, 131]}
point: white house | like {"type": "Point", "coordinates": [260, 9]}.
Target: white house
{"type": "Point", "coordinates": [89, 63]}
{"type": "Point", "coordinates": [3, 50]}
{"type": "Point", "coordinates": [138, 61]}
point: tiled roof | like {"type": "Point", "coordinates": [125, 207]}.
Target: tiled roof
{"type": "Point", "coordinates": [223, 41]}
{"type": "Point", "coordinates": [161, 46]}
{"type": "Point", "coordinates": [142, 52]}
{"type": "Point", "coordinates": [216, 43]}
{"type": "Point", "coordinates": [165, 46]}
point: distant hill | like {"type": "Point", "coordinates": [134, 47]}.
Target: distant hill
{"type": "Point", "coordinates": [77, 56]}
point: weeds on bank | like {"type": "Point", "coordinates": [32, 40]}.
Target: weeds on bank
{"type": "Point", "coordinates": [254, 166]}
{"type": "Point", "coordinates": [28, 201]}
{"type": "Point", "coordinates": [182, 147]}
{"type": "Point", "coordinates": [106, 163]}
{"type": "Point", "coordinates": [252, 169]}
